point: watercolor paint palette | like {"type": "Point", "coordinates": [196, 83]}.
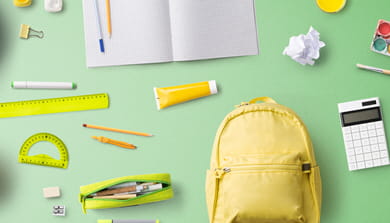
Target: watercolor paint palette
{"type": "Point", "coordinates": [381, 40]}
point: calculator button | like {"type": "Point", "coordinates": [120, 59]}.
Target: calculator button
{"type": "Point", "coordinates": [364, 134]}
{"type": "Point", "coordinates": [379, 125]}
{"type": "Point", "coordinates": [351, 159]}
{"type": "Point", "coordinates": [377, 162]}
{"type": "Point", "coordinates": [363, 127]}
{"type": "Point", "coordinates": [357, 143]}
{"type": "Point", "coordinates": [371, 126]}
{"type": "Point", "coordinates": [369, 163]}
{"type": "Point", "coordinates": [368, 156]}
{"type": "Point", "coordinates": [380, 132]}
{"type": "Point", "coordinates": [355, 136]}
{"type": "Point", "coordinates": [346, 130]}
{"type": "Point", "coordinates": [355, 128]}
{"type": "Point", "coordinates": [365, 142]}
{"type": "Point", "coordinates": [374, 148]}
{"type": "Point", "coordinates": [359, 158]}
{"type": "Point", "coordinates": [372, 133]}
{"type": "Point", "coordinates": [358, 150]}
{"type": "Point", "coordinates": [375, 155]}
{"type": "Point", "coordinates": [352, 166]}
{"type": "Point", "coordinates": [385, 161]}
{"type": "Point", "coordinates": [360, 165]}
{"type": "Point", "coordinates": [374, 140]}
{"type": "Point", "coordinates": [347, 137]}
{"type": "Point", "coordinates": [382, 146]}
{"type": "Point", "coordinates": [381, 139]}
{"type": "Point", "coordinates": [366, 149]}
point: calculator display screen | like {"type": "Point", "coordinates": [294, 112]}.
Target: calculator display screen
{"type": "Point", "coordinates": [361, 116]}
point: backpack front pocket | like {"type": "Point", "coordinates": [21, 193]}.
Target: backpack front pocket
{"type": "Point", "coordinates": [263, 193]}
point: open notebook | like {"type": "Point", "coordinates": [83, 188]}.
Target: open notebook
{"type": "Point", "coordinates": [155, 31]}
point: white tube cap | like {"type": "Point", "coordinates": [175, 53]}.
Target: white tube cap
{"type": "Point", "coordinates": [156, 98]}
{"type": "Point", "coordinates": [213, 87]}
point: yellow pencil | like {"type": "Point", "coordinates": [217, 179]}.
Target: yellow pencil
{"type": "Point", "coordinates": [108, 14]}
{"type": "Point", "coordinates": [116, 130]}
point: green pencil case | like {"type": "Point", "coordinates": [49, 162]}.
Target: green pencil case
{"type": "Point", "coordinates": [87, 192]}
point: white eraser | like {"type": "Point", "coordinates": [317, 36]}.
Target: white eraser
{"type": "Point", "coordinates": [50, 192]}
{"type": "Point", "coordinates": [53, 5]}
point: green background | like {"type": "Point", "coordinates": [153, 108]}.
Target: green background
{"type": "Point", "coordinates": [184, 133]}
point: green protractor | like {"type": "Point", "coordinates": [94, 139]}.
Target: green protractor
{"type": "Point", "coordinates": [43, 159]}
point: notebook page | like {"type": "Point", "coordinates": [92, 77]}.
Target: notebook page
{"type": "Point", "coordinates": [140, 32]}
{"type": "Point", "coordinates": [203, 29]}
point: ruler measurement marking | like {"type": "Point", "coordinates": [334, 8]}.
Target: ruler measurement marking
{"type": "Point", "coordinates": [54, 105]}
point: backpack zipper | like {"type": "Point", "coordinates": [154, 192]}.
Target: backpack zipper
{"type": "Point", "coordinates": [220, 172]}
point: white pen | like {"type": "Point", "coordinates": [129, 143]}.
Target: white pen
{"type": "Point", "coordinates": [127, 184]}
{"type": "Point", "coordinates": [99, 27]}
{"type": "Point", "coordinates": [43, 85]}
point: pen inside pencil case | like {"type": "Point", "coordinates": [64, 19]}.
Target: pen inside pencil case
{"type": "Point", "coordinates": [128, 190]}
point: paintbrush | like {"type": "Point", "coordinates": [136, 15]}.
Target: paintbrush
{"type": "Point", "coordinates": [375, 69]}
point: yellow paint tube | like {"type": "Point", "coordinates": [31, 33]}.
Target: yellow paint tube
{"type": "Point", "coordinates": [177, 94]}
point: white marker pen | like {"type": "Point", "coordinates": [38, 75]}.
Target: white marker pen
{"type": "Point", "coordinates": [43, 85]}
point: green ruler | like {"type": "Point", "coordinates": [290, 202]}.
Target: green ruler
{"type": "Point", "coordinates": [43, 159]}
{"type": "Point", "coordinates": [54, 105]}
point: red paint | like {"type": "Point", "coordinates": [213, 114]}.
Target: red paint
{"type": "Point", "coordinates": [384, 29]}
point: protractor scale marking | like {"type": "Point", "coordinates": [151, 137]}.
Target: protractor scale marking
{"type": "Point", "coordinates": [43, 159]}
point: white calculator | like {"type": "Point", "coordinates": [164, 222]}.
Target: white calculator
{"type": "Point", "coordinates": [364, 134]}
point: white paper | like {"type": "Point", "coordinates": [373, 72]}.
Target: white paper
{"type": "Point", "coordinates": [305, 48]}
{"type": "Point", "coordinates": [204, 29]}
{"type": "Point", "coordinates": [140, 32]}
{"type": "Point", "coordinates": [153, 31]}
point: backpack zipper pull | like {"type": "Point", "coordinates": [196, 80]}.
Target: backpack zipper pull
{"type": "Point", "coordinates": [242, 104]}
{"type": "Point", "coordinates": [219, 172]}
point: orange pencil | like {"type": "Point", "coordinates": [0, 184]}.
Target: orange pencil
{"type": "Point", "coordinates": [114, 142]}
{"type": "Point", "coordinates": [116, 130]}
{"type": "Point", "coordinates": [108, 14]}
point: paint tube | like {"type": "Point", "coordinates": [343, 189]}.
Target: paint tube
{"type": "Point", "coordinates": [177, 94]}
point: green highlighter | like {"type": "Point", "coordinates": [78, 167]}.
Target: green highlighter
{"type": "Point", "coordinates": [128, 221]}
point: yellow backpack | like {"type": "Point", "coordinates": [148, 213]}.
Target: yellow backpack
{"type": "Point", "coordinates": [263, 168]}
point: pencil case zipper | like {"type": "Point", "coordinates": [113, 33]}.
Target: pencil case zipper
{"type": "Point", "coordinates": [144, 196]}
{"type": "Point", "coordinates": [85, 196]}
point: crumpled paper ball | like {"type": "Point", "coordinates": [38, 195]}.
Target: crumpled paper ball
{"type": "Point", "coordinates": [305, 48]}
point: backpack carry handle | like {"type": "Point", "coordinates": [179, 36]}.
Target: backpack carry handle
{"type": "Point", "coordinates": [263, 99]}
